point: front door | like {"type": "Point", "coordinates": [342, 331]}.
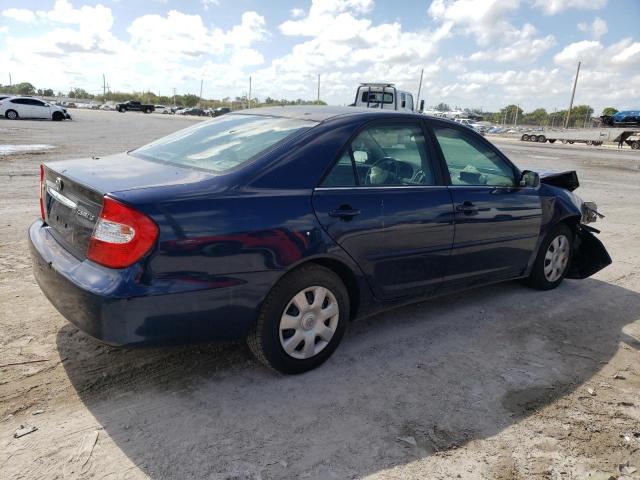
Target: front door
{"type": "Point", "coordinates": [384, 203]}
{"type": "Point", "coordinates": [497, 222]}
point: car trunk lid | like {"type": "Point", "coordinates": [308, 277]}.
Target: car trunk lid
{"type": "Point", "coordinates": [73, 191]}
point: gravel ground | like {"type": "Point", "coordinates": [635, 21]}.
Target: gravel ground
{"type": "Point", "coordinates": [499, 382]}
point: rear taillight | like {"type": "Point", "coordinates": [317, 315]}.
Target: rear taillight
{"type": "Point", "coordinates": [42, 191]}
{"type": "Point", "coordinates": [122, 235]}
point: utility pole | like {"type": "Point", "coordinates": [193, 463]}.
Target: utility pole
{"type": "Point", "coordinates": [200, 97]}
{"type": "Point", "coordinates": [174, 96]}
{"type": "Point", "coordinates": [575, 83]}
{"type": "Point", "coordinates": [515, 118]}
{"type": "Point", "coordinates": [419, 89]}
{"type": "Point", "coordinates": [104, 88]}
{"type": "Point", "coordinates": [504, 119]}
{"type": "Point", "coordinates": [249, 97]}
{"type": "Point", "coordinates": [318, 89]}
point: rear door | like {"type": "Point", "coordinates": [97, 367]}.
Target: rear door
{"type": "Point", "coordinates": [497, 222]}
{"type": "Point", "coordinates": [385, 203]}
{"type": "Point", "coordinates": [23, 107]}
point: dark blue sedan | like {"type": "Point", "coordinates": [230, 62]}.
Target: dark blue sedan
{"type": "Point", "coordinates": [280, 225]}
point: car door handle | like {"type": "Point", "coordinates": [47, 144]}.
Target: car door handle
{"type": "Point", "coordinates": [344, 213]}
{"type": "Point", "coordinates": [468, 208]}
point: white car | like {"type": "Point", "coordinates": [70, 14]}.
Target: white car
{"type": "Point", "coordinates": [162, 109]}
{"type": "Point", "coordinates": [28, 107]}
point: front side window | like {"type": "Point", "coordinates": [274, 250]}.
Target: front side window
{"type": "Point", "coordinates": [384, 155]}
{"type": "Point", "coordinates": [470, 162]}
{"type": "Point", "coordinates": [223, 143]}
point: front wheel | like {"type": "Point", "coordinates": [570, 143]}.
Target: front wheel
{"type": "Point", "coordinates": [553, 259]}
{"type": "Point", "coordinates": [11, 115]}
{"type": "Point", "coordinates": [301, 321]}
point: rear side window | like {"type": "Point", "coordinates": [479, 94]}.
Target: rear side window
{"type": "Point", "coordinates": [223, 143]}
{"type": "Point", "coordinates": [471, 162]}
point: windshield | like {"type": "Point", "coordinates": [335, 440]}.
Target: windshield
{"type": "Point", "coordinates": [223, 143]}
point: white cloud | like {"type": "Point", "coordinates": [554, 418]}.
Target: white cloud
{"type": "Point", "coordinates": [485, 19]}
{"type": "Point", "coordinates": [552, 7]}
{"type": "Point", "coordinates": [596, 29]}
{"type": "Point", "coordinates": [519, 45]}
{"type": "Point", "coordinates": [297, 12]}
{"type": "Point", "coordinates": [19, 14]}
{"type": "Point", "coordinates": [209, 3]}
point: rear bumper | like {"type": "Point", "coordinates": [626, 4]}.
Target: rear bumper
{"type": "Point", "coordinates": [116, 308]}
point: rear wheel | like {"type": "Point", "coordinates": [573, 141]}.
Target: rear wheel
{"type": "Point", "coordinates": [301, 321]}
{"type": "Point", "coordinates": [542, 139]}
{"type": "Point", "coordinates": [11, 114]}
{"type": "Point", "coordinates": [533, 138]}
{"type": "Point", "coordinates": [553, 259]}
{"type": "Point", "coordinates": [525, 138]}
{"type": "Point", "coordinates": [635, 145]}
{"type": "Point", "coordinates": [552, 140]}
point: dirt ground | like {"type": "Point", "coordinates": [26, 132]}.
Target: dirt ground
{"type": "Point", "coordinates": [500, 382]}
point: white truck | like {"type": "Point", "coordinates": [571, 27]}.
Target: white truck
{"type": "Point", "coordinates": [384, 96]}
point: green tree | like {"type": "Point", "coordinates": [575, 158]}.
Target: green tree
{"type": "Point", "coordinates": [609, 111]}
{"type": "Point", "coordinates": [443, 107]}
{"type": "Point", "coordinates": [190, 100]}
{"type": "Point", "coordinates": [538, 117]}
{"type": "Point", "coordinates": [511, 114]}
{"type": "Point", "coordinates": [24, 88]}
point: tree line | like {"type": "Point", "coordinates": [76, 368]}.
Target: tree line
{"type": "Point", "coordinates": [185, 100]}
{"type": "Point", "coordinates": [581, 116]}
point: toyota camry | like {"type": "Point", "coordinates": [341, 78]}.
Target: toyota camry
{"type": "Point", "coordinates": [280, 225]}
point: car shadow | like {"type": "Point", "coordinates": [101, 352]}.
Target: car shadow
{"type": "Point", "coordinates": [440, 373]}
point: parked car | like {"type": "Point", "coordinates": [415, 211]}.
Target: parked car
{"type": "Point", "coordinates": [14, 108]}
{"type": "Point", "coordinates": [217, 112]}
{"type": "Point", "coordinates": [134, 106]}
{"type": "Point", "coordinates": [280, 225]}
{"type": "Point", "coordinates": [162, 109]}
{"type": "Point", "coordinates": [193, 111]}
{"type": "Point", "coordinates": [627, 118]}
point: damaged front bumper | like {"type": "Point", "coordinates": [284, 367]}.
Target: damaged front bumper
{"type": "Point", "coordinates": [589, 254]}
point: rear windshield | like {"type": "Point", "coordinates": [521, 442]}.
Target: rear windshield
{"type": "Point", "coordinates": [375, 97]}
{"type": "Point", "coordinates": [223, 143]}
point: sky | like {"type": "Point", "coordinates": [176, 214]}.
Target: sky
{"type": "Point", "coordinates": [475, 53]}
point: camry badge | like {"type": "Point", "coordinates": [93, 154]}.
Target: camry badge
{"type": "Point", "coordinates": [85, 214]}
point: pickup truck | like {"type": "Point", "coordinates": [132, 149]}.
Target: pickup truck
{"type": "Point", "coordinates": [132, 106]}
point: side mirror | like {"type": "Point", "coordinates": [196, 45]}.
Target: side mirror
{"type": "Point", "coordinates": [530, 179]}
{"type": "Point", "coordinates": [421, 106]}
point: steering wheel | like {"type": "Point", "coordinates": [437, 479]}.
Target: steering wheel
{"type": "Point", "coordinates": [383, 171]}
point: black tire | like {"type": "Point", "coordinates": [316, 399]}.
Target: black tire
{"type": "Point", "coordinates": [552, 140]}
{"type": "Point", "coordinates": [537, 279]}
{"type": "Point", "coordinates": [525, 138]}
{"type": "Point", "coordinates": [264, 339]}
{"type": "Point", "coordinates": [147, 110]}
{"type": "Point", "coordinates": [542, 139]}
{"type": "Point", "coordinates": [11, 115]}
{"type": "Point", "coordinates": [635, 145]}
{"type": "Point", "coordinates": [57, 116]}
